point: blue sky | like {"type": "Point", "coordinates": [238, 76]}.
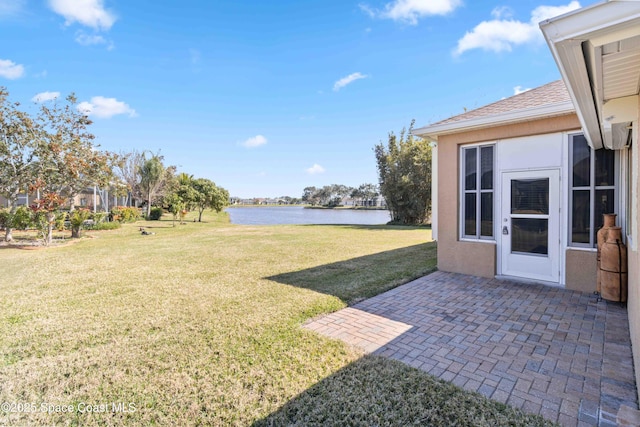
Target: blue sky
{"type": "Point", "coordinates": [266, 98]}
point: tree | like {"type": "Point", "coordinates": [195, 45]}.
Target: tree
{"type": "Point", "coordinates": [19, 136]}
{"type": "Point", "coordinates": [47, 212]}
{"type": "Point", "coordinates": [174, 205]}
{"type": "Point", "coordinates": [368, 192]}
{"type": "Point", "coordinates": [310, 195]}
{"type": "Point", "coordinates": [77, 219]}
{"type": "Point", "coordinates": [182, 186]}
{"type": "Point", "coordinates": [153, 176]}
{"type": "Point", "coordinates": [127, 168]}
{"type": "Point", "coordinates": [69, 162]}
{"type": "Point", "coordinates": [404, 171]}
{"type": "Point", "coordinates": [337, 193]}
{"type": "Point", "coordinates": [208, 196]}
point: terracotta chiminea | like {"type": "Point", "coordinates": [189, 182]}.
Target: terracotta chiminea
{"type": "Point", "coordinates": [609, 221]}
{"type": "Point", "coordinates": [613, 267]}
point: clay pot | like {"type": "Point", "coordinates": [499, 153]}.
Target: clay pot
{"type": "Point", "coordinates": [609, 221]}
{"type": "Point", "coordinates": [613, 267]}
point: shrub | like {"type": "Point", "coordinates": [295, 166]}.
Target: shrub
{"type": "Point", "coordinates": [105, 226]}
{"type": "Point", "coordinates": [77, 219]}
{"type": "Point", "coordinates": [4, 217]}
{"type": "Point", "coordinates": [20, 220]}
{"type": "Point", "coordinates": [156, 214]}
{"type": "Point", "coordinates": [125, 214]}
{"type": "Point", "coordinates": [98, 217]}
{"type": "Point", "coordinates": [41, 223]}
{"type": "Point", "coordinates": [131, 214]}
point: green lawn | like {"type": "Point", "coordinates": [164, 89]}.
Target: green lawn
{"type": "Point", "coordinates": [200, 324]}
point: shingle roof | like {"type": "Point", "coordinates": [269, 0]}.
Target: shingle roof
{"type": "Point", "coordinates": [551, 93]}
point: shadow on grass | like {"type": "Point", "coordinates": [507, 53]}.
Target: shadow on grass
{"type": "Point", "coordinates": [372, 226]}
{"type": "Point", "coordinates": [155, 224]}
{"type": "Point", "coordinates": [363, 277]}
{"type": "Point", "coordinates": [375, 391]}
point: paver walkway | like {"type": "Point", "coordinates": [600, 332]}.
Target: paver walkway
{"type": "Point", "coordinates": [557, 353]}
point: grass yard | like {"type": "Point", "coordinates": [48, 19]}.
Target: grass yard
{"type": "Point", "coordinates": [200, 325]}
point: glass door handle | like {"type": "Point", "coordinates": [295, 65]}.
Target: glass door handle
{"type": "Point", "coordinates": [505, 230]}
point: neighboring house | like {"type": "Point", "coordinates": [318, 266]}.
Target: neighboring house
{"type": "Point", "coordinates": [24, 199]}
{"type": "Point", "coordinates": [349, 201]}
{"type": "Point", "coordinates": [96, 199]}
{"type": "Point", "coordinates": [536, 171]}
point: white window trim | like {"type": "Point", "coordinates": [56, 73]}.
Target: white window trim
{"type": "Point", "coordinates": [461, 192]}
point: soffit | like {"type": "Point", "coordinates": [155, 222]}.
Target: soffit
{"type": "Point", "coordinates": [597, 50]}
{"type": "Point", "coordinates": [621, 68]}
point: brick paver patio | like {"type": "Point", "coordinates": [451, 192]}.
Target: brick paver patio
{"type": "Point", "coordinates": [549, 351]}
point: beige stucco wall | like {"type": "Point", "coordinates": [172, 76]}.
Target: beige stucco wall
{"type": "Point", "coordinates": [477, 258]}
{"type": "Point", "coordinates": [580, 271]}
{"type": "Point", "coordinates": [633, 310]}
{"type": "Point", "coordinates": [633, 305]}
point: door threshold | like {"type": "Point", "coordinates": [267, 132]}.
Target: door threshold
{"type": "Point", "coordinates": [527, 281]}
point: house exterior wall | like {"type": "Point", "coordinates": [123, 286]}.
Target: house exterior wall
{"type": "Point", "coordinates": [633, 245]}
{"type": "Point", "coordinates": [581, 270]}
{"type": "Point", "coordinates": [478, 257]}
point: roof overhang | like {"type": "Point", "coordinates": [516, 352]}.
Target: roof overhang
{"type": "Point", "coordinates": [432, 132]}
{"type": "Point", "coordinates": [597, 50]}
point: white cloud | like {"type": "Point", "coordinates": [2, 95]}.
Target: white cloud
{"type": "Point", "coordinates": [254, 141]}
{"type": "Point", "coordinates": [518, 90]}
{"type": "Point", "coordinates": [502, 33]}
{"type": "Point", "coordinates": [87, 39]}
{"type": "Point", "coordinates": [502, 12]}
{"type": "Point", "coordinates": [349, 79]}
{"type": "Point", "coordinates": [105, 108]}
{"type": "Point", "coordinates": [10, 70]}
{"type": "Point", "coordinates": [541, 13]}
{"type": "Point", "coordinates": [410, 11]}
{"type": "Point", "coordinates": [315, 169]}
{"type": "Point", "coordinates": [45, 96]}
{"type": "Point", "coordinates": [90, 13]}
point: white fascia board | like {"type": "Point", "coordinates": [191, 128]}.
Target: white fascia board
{"type": "Point", "coordinates": [571, 63]}
{"type": "Point", "coordinates": [432, 132]}
{"type": "Point", "coordinates": [602, 23]}
{"type": "Point", "coordinates": [598, 24]}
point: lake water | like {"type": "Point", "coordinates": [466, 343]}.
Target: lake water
{"type": "Point", "coordinates": [270, 215]}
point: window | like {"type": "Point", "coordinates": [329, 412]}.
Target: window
{"type": "Point", "coordinates": [592, 189]}
{"type": "Point", "coordinates": [477, 192]}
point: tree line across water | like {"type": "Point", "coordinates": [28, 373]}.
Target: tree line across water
{"type": "Point", "coordinates": [335, 194]}
{"type": "Point", "coordinates": [52, 154]}
{"type": "Point", "coordinates": [404, 175]}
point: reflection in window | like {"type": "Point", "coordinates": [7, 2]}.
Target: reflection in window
{"type": "Point", "coordinates": [581, 162]}
{"type": "Point", "coordinates": [530, 235]}
{"type": "Point", "coordinates": [486, 214]}
{"type": "Point", "coordinates": [592, 189]}
{"type": "Point", "coordinates": [530, 196]}
{"type": "Point", "coordinates": [470, 167]}
{"type": "Point", "coordinates": [470, 214]}
{"type": "Point", "coordinates": [477, 198]}
{"type": "Point", "coordinates": [486, 166]}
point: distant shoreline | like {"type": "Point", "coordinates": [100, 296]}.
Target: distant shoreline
{"type": "Point", "coordinates": [354, 208]}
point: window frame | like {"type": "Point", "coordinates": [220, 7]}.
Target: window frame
{"type": "Point", "coordinates": [592, 188]}
{"type": "Point", "coordinates": [478, 191]}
